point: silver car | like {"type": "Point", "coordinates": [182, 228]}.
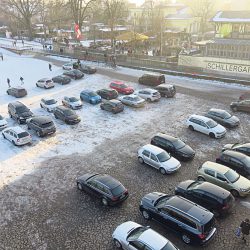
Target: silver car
{"type": "Point", "coordinates": [148, 94]}
{"type": "Point", "coordinates": [132, 100]}
{"type": "Point", "coordinates": [72, 102]}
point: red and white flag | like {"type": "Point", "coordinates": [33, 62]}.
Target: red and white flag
{"type": "Point", "coordinates": [78, 31]}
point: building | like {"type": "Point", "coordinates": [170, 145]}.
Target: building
{"type": "Point", "coordinates": [228, 53]}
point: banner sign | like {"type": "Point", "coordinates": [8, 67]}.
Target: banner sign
{"type": "Point", "coordinates": [229, 67]}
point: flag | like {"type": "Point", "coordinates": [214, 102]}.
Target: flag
{"type": "Point", "coordinates": [78, 31]}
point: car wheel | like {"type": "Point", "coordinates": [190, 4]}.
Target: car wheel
{"type": "Point", "coordinates": [10, 115]}
{"type": "Point", "coordinates": [3, 136]}
{"type": "Point", "coordinates": [191, 127]}
{"type": "Point", "coordinates": [216, 213]}
{"type": "Point", "coordinates": [79, 186]}
{"type": "Point", "coordinates": [149, 100]}
{"type": "Point", "coordinates": [117, 243]}
{"type": "Point", "coordinates": [200, 178]}
{"type": "Point", "coordinates": [38, 134]}
{"type": "Point", "coordinates": [44, 87]}
{"type": "Point", "coordinates": [37, 85]}
{"type": "Point", "coordinates": [102, 107]}
{"type": "Point", "coordinates": [18, 120]}
{"type": "Point", "coordinates": [140, 159]}
{"type": "Point", "coordinates": [235, 109]}
{"type": "Point", "coordinates": [13, 143]}
{"type": "Point", "coordinates": [105, 201]}
{"type": "Point", "coordinates": [163, 171]}
{"type": "Point", "coordinates": [146, 215]}
{"type": "Point", "coordinates": [56, 116]}
{"type": "Point", "coordinates": [48, 109]}
{"type": "Point", "coordinates": [7, 92]}
{"type": "Point", "coordinates": [186, 239]}
{"type": "Point", "coordinates": [235, 193]}
{"type": "Point", "coordinates": [41, 105]}
{"type": "Point", "coordinates": [212, 135]}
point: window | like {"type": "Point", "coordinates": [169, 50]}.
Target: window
{"type": "Point", "coordinates": [153, 157]}
{"type": "Point", "coordinates": [210, 172]}
{"type": "Point", "coordinates": [146, 153]}
{"type": "Point", "coordinates": [236, 162]}
{"type": "Point", "coordinates": [221, 177]}
{"type": "Point", "coordinates": [136, 244]}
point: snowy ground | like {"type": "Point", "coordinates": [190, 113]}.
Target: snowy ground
{"type": "Point", "coordinates": [9, 42]}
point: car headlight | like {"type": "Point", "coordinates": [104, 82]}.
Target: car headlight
{"type": "Point", "coordinates": [243, 189]}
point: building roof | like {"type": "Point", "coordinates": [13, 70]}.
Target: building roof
{"type": "Point", "coordinates": [232, 17]}
{"type": "Point", "coordinates": [178, 16]}
{"type": "Point", "coordinates": [229, 41]}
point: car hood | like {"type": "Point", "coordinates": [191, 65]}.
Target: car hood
{"type": "Point", "coordinates": [185, 184]}
{"type": "Point", "coordinates": [219, 129]}
{"type": "Point", "coordinates": [3, 122]}
{"type": "Point", "coordinates": [243, 183]}
{"type": "Point", "coordinates": [76, 103]}
{"type": "Point", "coordinates": [123, 230]}
{"type": "Point", "coordinates": [233, 119]}
{"type": "Point", "coordinates": [26, 114]}
{"type": "Point", "coordinates": [53, 105]}
{"type": "Point", "coordinates": [73, 117]}
{"type": "Point", "coordinates": [128, 89]}
{"type": "Point", "coordinates": [234, 103]}
{"type": "Point", "coordinates": [186, 150]}
{"type": "Point", "coordinates": [97, 97]}
{"type": "Point", "coordinates": [171, 163]}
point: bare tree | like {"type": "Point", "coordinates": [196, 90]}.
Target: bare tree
{"type": "Point", "coordinates": [203, 10]}
{"type": "Point", "coordinates": [22, 10]}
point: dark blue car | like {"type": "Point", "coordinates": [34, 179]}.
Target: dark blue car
{"type": "Point", "coordinates": [90, 96]}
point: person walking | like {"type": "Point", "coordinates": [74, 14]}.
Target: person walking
{"type": "Point", "coordinates": [8, 81]}
{"type": "Point", "coordinates": [50, 67]}
{"type": "Point", "coordinates": [1, 55]}
{"type": "Point", "coordinates": [245, 229]}
{"type": "Point", "coordinates": [21, 79]}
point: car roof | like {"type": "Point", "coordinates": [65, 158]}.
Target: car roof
{"type": "Point", "coordinates": [62, 107]}
{"type": "Point", "coordinates": [117, 82]}
{"type": "Point", "coordinates": [153, 74]}
{"type": "Point", "coordinates": [107, 180]}
{"type": "Point", "coordinates": [114, 101]}
{"type": "Point", "coordinates": [87, 91]}
{"type": "Point", "coordinates": [153, 149]}
{"type": "Point", "coordinates": [42, 119]}
{"type": "Point", "coordinates": [165, 85]}
{"type": "Point", "coordinates": [168, 137]}
{"type": "Point", "coordinates": [131, 95]}
{"type": "Point", "coordinates": [18, 87]}
{"type": "Point", "coordinates": [153, 239]}
{"type": "Point", "coordinates": [107, 90]}
{"type": "Point", "coordinates": [45, 79]}
{"type": "Point", "coordinates": [148, 89]}
{"type": "Point", "coordinates": [17, 104]}
{"type": "Point", "coordinates": [217, 110]}
{"type": "Point", "coordinates": [234, 154]}
{"type": "Point", "coordinates": [17, 129]}
{"type": "Point", "coordinates": [48, 98]}
{"type": "Point", "coordinates": [200, 117]}
{"type": "Point", "coordinates": [215, 166]}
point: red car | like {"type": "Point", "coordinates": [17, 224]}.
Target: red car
{"type": "Point", "coordinates": [121, 87]}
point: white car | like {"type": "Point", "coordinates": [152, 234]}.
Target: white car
{"type": "Point", "coordinates": [72, 102]}
{"type": "Point", "coordinates": [132, 100]}
{"type": "Point", "coordinates": [45, 83]}
{"type": "Point", "coordinates": [158, 158]}
{"type": "Point", "coordinates": [17, 136]}
{"type": "Point", "coordinates": [3, 123]}
{"type": "Point", "coordinates": [68, 66]}
{"type": "Point", "coordinates": [148, 94]}
{"type": "Point", "coordinates": [206, 126]}
{"type": "Point", "coordinates": [131, 236]}
{"type": "Point", "coordinates": [48, 104]}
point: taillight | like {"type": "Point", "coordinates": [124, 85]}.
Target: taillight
{"type": "Point", "coordinates": [202, 236]}
{"type": "Point", "coordinates": [225, 207]}
{"type": "Point", "coordinates": [126, 192]}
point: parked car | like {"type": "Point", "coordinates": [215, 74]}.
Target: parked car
{"type": "Point", "coordinates": [166, 90]}
{"type": "Point", "coordinates": [17, 136]}
{"type": "Point", "coordinates": [245, 96]}
{"type": "Point", "coordinates": [90, 96]}
{"type": "Point", "coordinates": [236, 161]}
{"type": "Point", "coordinates": [158, 158]}
{"type": "Point", "coordinates": [150, 95]}
{"type": "Point", "coordinates": [223, 118]}
{"type": "Point", "coordinates": [3, 122]}
{"type": "Point", "coordinates": [206, 126]}
{"type": "Point", "coordinates": [87, 69]}
{"type": "Point", "coordinates": [243, 148]}
{"type": "Point", "coordinates": [151, 79]}
{"type": "Point", "coordinates": [61, 79]}
{"type": "Point", "coordinates": [224, 177]}
{"type": "Point", "coordinates": [174, 146]}
{"type": "Point", "coordinates": [121, 87]}
{"type": "Point", "coordinates": [72, 102]}
{"type": "Point", "coordinates": [19, 112]}
{"type": "Point", "coordinates": [241, 106]}
{"type": "Point", "coordinates": [48, 104]}
{"type": "Point", "coordinates": [193, 222]}
{"type": "Point", "coordinates": [67, 115]}
{"type": "Point", "coordinates": [109, 190]}
{"type": "Point", "coordinates": [68, 66]}
{"type": "Point", "coordinates": [130, 235]}
{"type": "Point", "coordinates": [107, 93]}
{"type": "Point", "coordinates": [114, 106]}
{"type": "Point", "coordinates": [216, 199]}
{"type": "Point", "coordinates": [132, 100]}
{"type": "Point", "coordinates": [45, 83]}
{"type": "Point", "coordinates": [74, 73]}
{"type": "Point", "coordinates": [17, 91]}
{"type": "Point", "coordinates": [42, 125]}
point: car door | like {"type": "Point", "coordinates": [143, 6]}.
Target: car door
{"type": "Point", "coordinates": [7, 134]}
{"type": "Point", "coordinates": [154, 162]}
{"type": "Point", "coordinates": [221, 181]}
{"type": "Point", "coordinates": [146, 156]}
{"type": "Point", "coordinates": [93, 188]}
{"type": "Point", "coordinates": [203, 127]}
{"type": "Point", "coordinates": [11, 136]}
{"type": "Point", "coordinates": [210, 175]}
{"type": "Point", "coordinates": [238, 166]}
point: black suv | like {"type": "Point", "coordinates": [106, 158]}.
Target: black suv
{"type": "Point", "coordinates": [114, 106]}
{"type": "Point", "coordinates": [107, 93]}
{"type": "Point", "coordinates": [104, 187]}
{"type": "Point", "coordinates": [151, 79]}
{"type": "Point", "coordinates": [174, 146]}
{"type": "Point", "coordinates": [236, 161]}
{"type": "Point", "coordinates": [19, 112]}
{"type": "Point", "coordinates": [42, 125]}
{"type": "Point", "coordinates": [67, 115]}
{"type": "Point", "coordinates": [216, 199]}
{"type": "Point", "coordinates": [193, 222]}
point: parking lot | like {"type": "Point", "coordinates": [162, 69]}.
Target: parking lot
{"type": "Point", "coordinates": [42, 209]}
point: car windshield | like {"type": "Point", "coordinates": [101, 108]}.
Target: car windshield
{"type": "Point", "coordinates": [179, 144]}
{"type": "Point", "coordinates": [211, 124]}
{"type": "Point", "coordinates": [22, 109]}
{"type": "Point", "coordinates": [246, 160]}
{"type": "Point", "coordinates": [136, 233]}
{"type": "Point", "coordinates": [193, 185]}
{"type": "Point", "coordinates": [69, 112]}
{"type": "Point", "coordinates": [163, 157]}
{"type": "Point", "coordinates": [92, 94]}
{"type": "Point", "coordinates": [169, 246]}
{"type": "Point", "coordinates": [73, 99]}
{"type": "Point", "coordinates": [136, 99]}
{"type": "Point", "coordinates": [232, 176]}
{"type": "Point", "coordinates": [51, 101]}
{"type": "Point", "coordinates": [1, 118]}
{"type": "Point", "coordinates": [161, 200]}
{"type": "Point", "coordinates": [118, 190]}
{"type": "Point", "coordinates": [123, 86]}
{"type": "Point", "coordinates": [47, 124]}
{"type": "Point", "coordinates": [226, 115]}
{"type": "Point", "coordinates": [23, 134]}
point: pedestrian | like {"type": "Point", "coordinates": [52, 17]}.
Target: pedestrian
{"type": "Point", "coordinates": [8, 81]}
{"type": "Point", "coordinates": [245, 229]}
{"type": "Point", "coordinates": [50, 67]}
{"type": "Point", "coordinates": [105, 58]}
{"type": "Point", "coordinates": [1, 55]}
{"type": "Point", "coordinates": [21, 79]}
